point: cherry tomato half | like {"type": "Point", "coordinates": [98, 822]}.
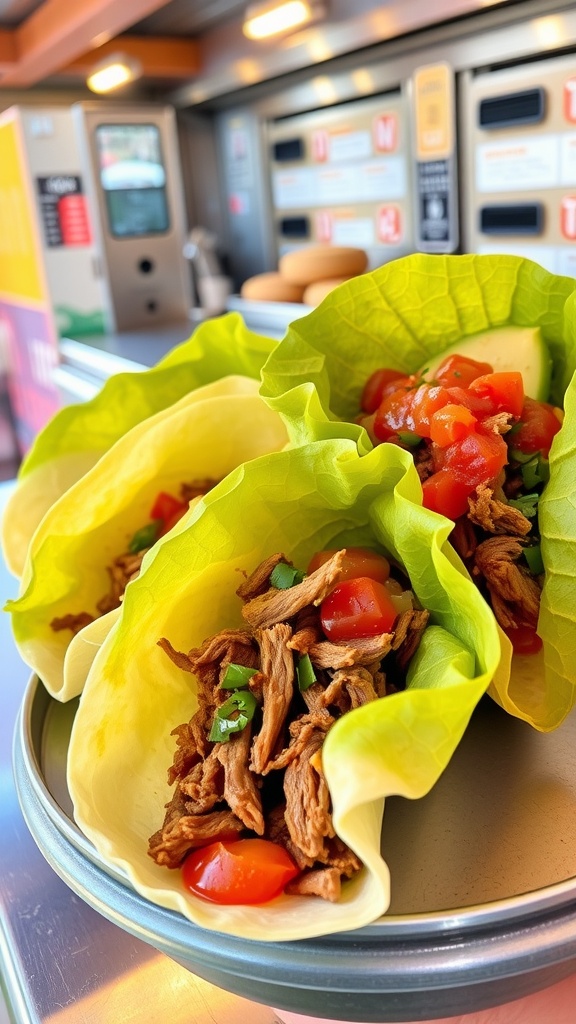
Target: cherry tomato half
{"type": "Point", "coordinates": [357, 608]}
{"type": "Point", "coordinates": [244, 871]}
{"type": "Point", "coordinates": [538, 426]}
{"type": "Point", "coordinates": [357, 562]}
{"type": "Point", "coordinates": [374, 387]}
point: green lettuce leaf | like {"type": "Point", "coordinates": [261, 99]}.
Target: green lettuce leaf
{"type": "Point", "coordinates": [76, 437]}
{"type": "Point", "coordinates": [401, 316]}
{"type": "Point", "coordinates": [202, 437]}
{"type": "Point", "coordinates": [298, 501]}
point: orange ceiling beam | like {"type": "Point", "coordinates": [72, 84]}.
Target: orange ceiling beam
{"type": "Point", "coordinates": [8, 50]}
{"type": "Point", "coordinates": [60, 31]}
{"type": "Point", "coordinates": [161, 57]}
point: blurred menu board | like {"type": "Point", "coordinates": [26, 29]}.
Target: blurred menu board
{"type": "Point", "coordinates": [341, 175]}
{"type": "Point", "coordinates": [521, 149]}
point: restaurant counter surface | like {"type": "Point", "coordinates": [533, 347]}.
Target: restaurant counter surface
{"type": "Point", "coordinates": [60, 961]}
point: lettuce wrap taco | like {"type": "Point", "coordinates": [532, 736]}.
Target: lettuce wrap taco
{"type": "Point", "coordinates": [210, 622]}
{"type": "Point", "coordinates": [466, 361]}
{"type": "Point", "coordinates": [94, 539]}
{"type": "Point", "coordinates": [78, 435]}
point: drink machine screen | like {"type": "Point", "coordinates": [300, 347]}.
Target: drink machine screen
{"type": "Point", "coordinates": [133, 179]}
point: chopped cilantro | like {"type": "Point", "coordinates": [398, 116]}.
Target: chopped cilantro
{"type": "Point", "coordinates": [284, 576]}
{"type": "Point", "coordinates": [527, 504]}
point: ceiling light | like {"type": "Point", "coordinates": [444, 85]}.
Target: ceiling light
{"type": "Point", "coordinates": [112, 72]}
{"type": "Point", "coordinates": [274, 16]}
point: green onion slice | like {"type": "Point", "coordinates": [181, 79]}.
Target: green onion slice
{"type": "Point", "coordinates": [305, 672]}
{"type": "Point", "coordinates": [284, 576]}
{"type": "Point", "coordinates": [232, 716]}
{"type": "Point", "coordinates": [145, 537]}
{"type": "Point", "coordinates": [533, 556]}
{"type": "Point", "coordinates": [237, 677]}
{"type": "Point", "coordinates": [409, 438]}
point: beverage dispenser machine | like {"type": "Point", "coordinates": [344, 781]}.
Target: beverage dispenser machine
{"type": "Point", "coordinates": [92, 229]}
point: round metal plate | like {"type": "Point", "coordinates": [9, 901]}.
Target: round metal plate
{"type": "Point", "coordinates": [483, 869]}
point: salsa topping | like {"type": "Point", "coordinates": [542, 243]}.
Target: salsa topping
{"type": "Point", "coordinates": [481, 450]}
{"type": "Point", "coordinates": [250, 762]}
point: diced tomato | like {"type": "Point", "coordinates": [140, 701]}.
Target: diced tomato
{"type": "Point", "coordinates": [538, 426]}
{"type": "Point", "coordinates": [524, 640]}
{"type": "Point", "coordinates": [244, 871]}
{"type": "Point", "coordinates": [443, 493]}
{"type": "Point", "coordinates": [357, 562]}
{"type": "Point", "coordinates": [451, 423]}
{"type": "Point", "coordinates": [394, 413]}
{"type": "Point", "coordinates": [165, 505]}
{"type": "Point", "coordinates": [373, 392]}
{"type": "Point", "coordinates": [170, 523]}
{"type": "Point", "coordinates": [470, 400]}
{"type": "Point", "coordinates": [477, 459]}
{"type": "Point", "coordinates": [505, 391]}
{"type": "Point", "coordinates": [427, 400]}
{"type": "Point", "coordinates": [460, 371]}
{"type": "Point", "coordinates": [357, 608]}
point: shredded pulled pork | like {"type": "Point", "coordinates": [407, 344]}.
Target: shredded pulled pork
{"type": "Point", "coordinates": [267, 779]}
{"type": "Point", "coordinates": [125, 568]}
{"type": "Point", "coordinates": [495, 516]}
{"type": "Point", "coordinates": [514, 592]}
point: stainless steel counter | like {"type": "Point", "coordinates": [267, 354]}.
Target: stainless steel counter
{"type": "Point", "coordinates": [59, 960]}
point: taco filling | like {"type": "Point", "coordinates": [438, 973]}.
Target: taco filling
{"type": "Point", "coordinates": [481, 450]}
{"type": "Point", "coordinates": [251, 813]}
{"type": "Point", "coordinates": [165, 512]}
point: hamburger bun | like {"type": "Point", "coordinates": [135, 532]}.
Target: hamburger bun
{"type": "Point", "coordinates": [321, 262]}
{"type": "Point", "coordinates": [314, 293]}
{"type": "Point", "coordinates": [271, 287]}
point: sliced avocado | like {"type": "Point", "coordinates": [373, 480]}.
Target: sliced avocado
{"type": "Point", "coordinates": [506, 348]}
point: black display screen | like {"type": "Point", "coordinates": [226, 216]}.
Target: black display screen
{"type": "Point", "coordinates": [133, 178]}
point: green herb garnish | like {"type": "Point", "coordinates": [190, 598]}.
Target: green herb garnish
{"type": "Point", "coordinates": [533, 556]}
{"type": "Point", "coordinates": [536, 472]}
{"type": "Point", "coordinates": [305, 672]}
{"type": "Point", "coordinates": [527, 504]}
{"type": "Point", "coordinates": [517, 456]}
{"type": "Point", "coordinates": [409, 438]}
{"type": "Point", "coordinates": [232, 716]}
{"type": "Point", "coordinates": [284, 576]}
{"type": "Point", "coordinates": [237, 677]}
{"type": "Point", "coordinates": [145, 537]}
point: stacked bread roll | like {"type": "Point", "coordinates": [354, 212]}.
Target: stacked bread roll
{"type": "Point", "coordinates": [306, 275]}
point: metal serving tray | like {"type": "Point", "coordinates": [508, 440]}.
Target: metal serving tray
{"type": "Point", "coordinates": [483, 869]}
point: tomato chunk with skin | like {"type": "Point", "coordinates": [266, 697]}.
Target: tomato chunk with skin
{"type": "Point", "coordinates": [444, 494]}
{"type": "Point", "coordinates": [175, 518]}
{"type": "Point", "coordinates": [165, 506]}
{"type": "Point", "coordinates": [460, 371]}
{"type": "Point", "coordinates": [376, 385]}
{"type": "Point", "coordinates": [394, 413]}
{"type": "Point", "coordinates": [247, 871]}
{"type": "Point", "coordinates": [477, 459]}
{"type": "Point", "coordinates": [504, 391]}
{"type": "Point", "coordinates": [357, 608]}
{"type": "Point", "coordinates": [428, 399]}
{"type": "Point", "coordinates": [357, 562]}
{"type": "Point", "coordinates": [537, 429]}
